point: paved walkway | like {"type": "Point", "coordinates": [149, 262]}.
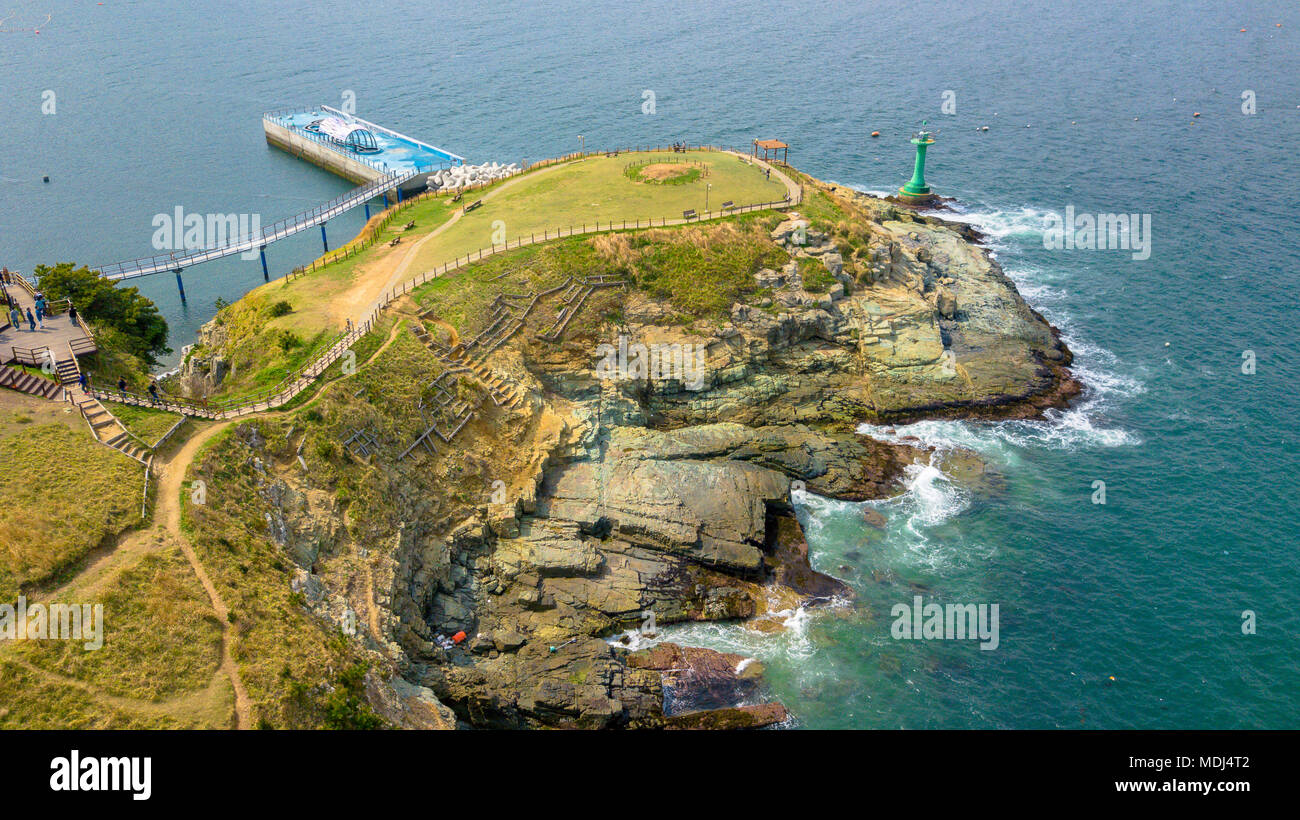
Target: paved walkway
{"type": "Point", "coordinates": [59, 331]}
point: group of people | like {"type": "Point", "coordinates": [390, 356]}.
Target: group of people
{"type": "Point", "coordinates": [153, 389]}
{"type": "Point", "coordinates": [18, 314]}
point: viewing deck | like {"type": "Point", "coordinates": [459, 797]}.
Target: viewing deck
{"type": "Point", "coordinates": [61, 337]}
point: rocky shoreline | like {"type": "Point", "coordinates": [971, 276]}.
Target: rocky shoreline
{"type": "Point", "coordinates": [626, 504]}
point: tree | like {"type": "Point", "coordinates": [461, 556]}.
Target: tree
{"type": "Point", "coordinates": [100, 301]}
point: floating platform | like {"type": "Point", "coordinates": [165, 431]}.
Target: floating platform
{"type": "Point", "coordinates": [357, 150]}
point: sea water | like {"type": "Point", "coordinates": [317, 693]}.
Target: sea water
{"type": "Point", "coordinates": [1123, 614]}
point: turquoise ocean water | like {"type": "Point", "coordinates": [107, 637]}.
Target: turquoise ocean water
{"type": "Point", "coordinates": [158, 104]}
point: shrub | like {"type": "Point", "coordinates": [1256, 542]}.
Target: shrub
{"type": "Point", "coordinates": [101, 301]}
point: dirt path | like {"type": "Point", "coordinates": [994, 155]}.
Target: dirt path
{"type": "Point", "coordinates": [169, 512]}
{"type": "Point", "coordinates": [125, 552]}
{"type": "Point", "coordinates": [365, 295]}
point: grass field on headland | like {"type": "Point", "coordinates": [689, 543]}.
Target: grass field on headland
{"type": "Point", "coordinates": [558, 196]}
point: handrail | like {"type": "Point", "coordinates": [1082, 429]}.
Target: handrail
{"type": "Point", "coordinates": [288, 226]}
{"type": "Point", "coordinates": [295, 383]}
{"type": "Point", "coordinates": [279, 119]}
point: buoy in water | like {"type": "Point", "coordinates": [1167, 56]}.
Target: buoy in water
{"type": "Point", "coordinates": [45, 179]}
{"type": "Point", "coordinates": [1196, 113]}
{"type": "Point", "coordinates": [875, 133]}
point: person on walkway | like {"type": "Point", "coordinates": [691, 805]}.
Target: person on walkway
{"type": "Point", "coordinates": [72, 313]}
{"type": "Point", "coordinates": [16, 318]}
{"type": "Point", "coordinates": [41, 308]}
{"type": "Point", "coordinates": [121, 385]}
{"type": "Point", "coordinates": [153, 392]}
{"type": "Point", "coordinates": [82, 382]}
{"type": "Point", "coordinates": [31, 320]}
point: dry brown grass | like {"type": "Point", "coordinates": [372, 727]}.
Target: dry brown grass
{"type": "Point", "coordinates": [61, 495]}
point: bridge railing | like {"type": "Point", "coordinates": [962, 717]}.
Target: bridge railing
{"type": "Point", "coordinates": [296, 382]}
{"type": "Point", "coordinates": [246, 242]}
{"type": "Point", "coordinates": [280, 118]}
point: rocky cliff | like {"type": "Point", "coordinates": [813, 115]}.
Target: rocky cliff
{"type": "Point", "coordinates": [623, 493]}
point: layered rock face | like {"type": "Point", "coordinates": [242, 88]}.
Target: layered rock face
{"type": "Point", "coordinates": [929, 326]}
{"type": "Point", "coordinates": [633, 502]}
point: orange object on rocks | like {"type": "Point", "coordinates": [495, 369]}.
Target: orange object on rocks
{"type": "Point", "coordinates": [458, 637]}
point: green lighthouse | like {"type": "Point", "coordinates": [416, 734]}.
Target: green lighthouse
{"type": "Point", "coordinates": [916, 192]}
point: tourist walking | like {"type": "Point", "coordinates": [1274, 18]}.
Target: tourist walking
{"type": "Point", "coordinates": [121, 385]}
{"type": "Point", "coordinates": [31, 320]}
{"type": "Point", "coordinates": [16, 318]}
{"type": "Point", "coordinates": [72, 313]}
{"type": "Point", "coordinates": [153, 392]}
{"type": "Point", "coordinates": [40, 309]}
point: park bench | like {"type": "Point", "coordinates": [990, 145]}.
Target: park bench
{"type": "Point", "coordinates": [409, 225]}
{"type": "Point", "coordinates": [728, 204]}
{"type": "Point", "coordinates": [458, 196]}
{"type": "Point", "coordinates": [611, 153]}
{"type": "Point", "coordinates": [472, 206]}
{"type": "Point", "coordinates": [688, 214]}
{"type": "Point", "coordinates": [396, 241]}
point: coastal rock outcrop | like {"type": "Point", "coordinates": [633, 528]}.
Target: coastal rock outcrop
{"type": "Point", "coordinates": [500, 570]}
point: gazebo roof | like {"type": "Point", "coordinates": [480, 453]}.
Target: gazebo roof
{"type": "Point", "coordinates": [770, 144]}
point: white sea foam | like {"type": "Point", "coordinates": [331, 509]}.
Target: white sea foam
{"type": "Point", "coordinates": [1000, 224]}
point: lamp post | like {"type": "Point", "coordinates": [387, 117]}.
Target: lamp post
{"type": "Point", "coordinates": [708, 186]}
{"type": "Point", "coordinates": [582, 145]}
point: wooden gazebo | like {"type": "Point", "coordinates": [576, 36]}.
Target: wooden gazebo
{"type": "Point", "coordinates": [780, 152]}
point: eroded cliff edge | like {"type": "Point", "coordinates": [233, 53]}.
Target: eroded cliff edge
{"type": "Point", "coordinates": [567, 503]}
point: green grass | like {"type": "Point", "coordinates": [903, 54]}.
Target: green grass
{"type": "Point", "coordinates": [146, 423]}
{"type": "Point", "coordinates": [816, 279]}
{"type": "Point", "coordinates": [701, 269]}
{"type": "Point", "coordinates": [63, 494]}
{"type": "Point", "coordinates": [263, 348]}
{"type": "Point", "coordinates": [596, 189]}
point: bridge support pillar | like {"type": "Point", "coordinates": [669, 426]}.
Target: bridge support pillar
{"type": "Point", "coordinates": [324, 240]}
{"type": "Point", "coordinates": [266, 276]}
{"type": "Point", "coordinates": [385, 201]}
{"type": "Point", "coordinates": [180, 285]}
{"type": "Point", "coordinates": [367, 211]}
{"type": "Point", "coordinates": [399, 194]}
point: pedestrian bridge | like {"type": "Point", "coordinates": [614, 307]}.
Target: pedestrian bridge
{"type": "Point", "coordinates": [176, 261]}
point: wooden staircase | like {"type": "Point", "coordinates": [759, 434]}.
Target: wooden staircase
{"type": "Point", "coordinates": [67, 371]}
{"type": "Point", "coordinates": [103, 425]}
{"type": "Point", "coordinates": [24, 382]}
{"type": "Point", "coordinates": [504, 392]}
{"type": "Point", "coordinates": [106, 428]}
